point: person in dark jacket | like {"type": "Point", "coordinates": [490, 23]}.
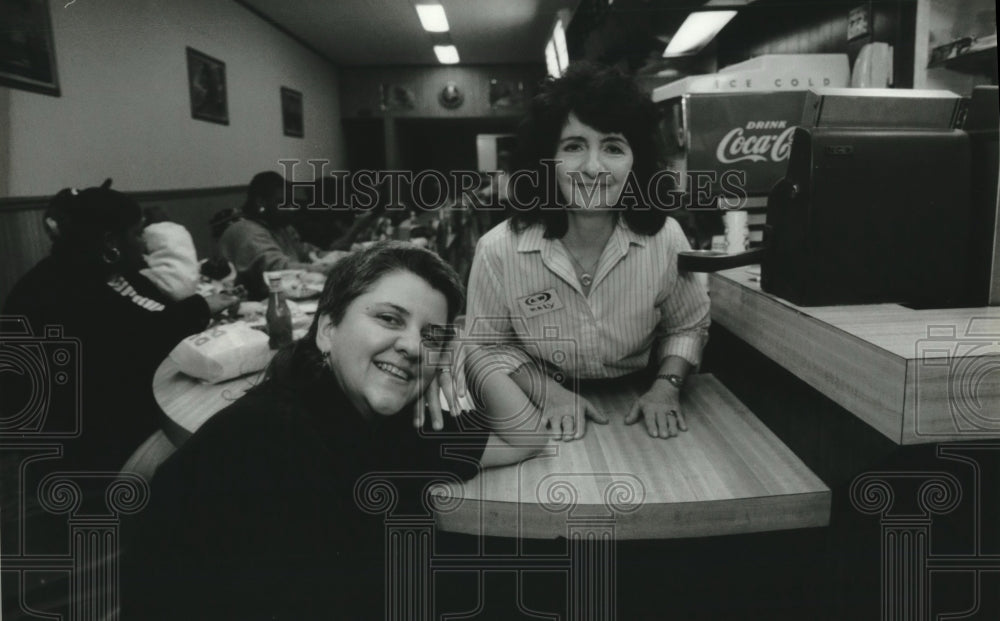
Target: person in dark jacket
{"type": "Point", "coordinates": [83, 333]}
{"type": "Point", "coordinates": [119, 326]}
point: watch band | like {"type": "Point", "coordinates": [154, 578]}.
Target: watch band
{"type": "Point", "coordinates": [675, 380]}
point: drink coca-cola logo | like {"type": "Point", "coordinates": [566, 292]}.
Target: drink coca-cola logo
{"type": "Point", "coordinates": [772, 144]}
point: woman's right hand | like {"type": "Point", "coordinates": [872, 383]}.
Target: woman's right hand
{"type": "Point", "coordinates": [566, 413]}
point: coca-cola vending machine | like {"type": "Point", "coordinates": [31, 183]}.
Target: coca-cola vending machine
{"type": "Point", "coordinates": [728, 135]}
{"type": "Point", "coordinates": [729, 149]}
{"type": "Point", "coordinates": [745, 133]}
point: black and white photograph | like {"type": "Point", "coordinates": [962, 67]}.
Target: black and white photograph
{"type": "Point", "coordinates": [418, 310]}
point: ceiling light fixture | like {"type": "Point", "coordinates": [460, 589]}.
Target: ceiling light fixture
{"type": "Point", "coordinates": [697, 31]}
{"type": "Point", "coordinates": [432, 17]}
{"type": "Point", "coordinates": [551, 60]}
{"type": "Point", "coordinates": [447, 54]}
{"type": "Point", "coordinates": [556, 53]}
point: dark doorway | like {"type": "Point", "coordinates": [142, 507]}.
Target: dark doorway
{"type": "Point", "coordinates": [445, 145]}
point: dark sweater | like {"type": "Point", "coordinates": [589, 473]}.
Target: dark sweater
{"type": "Point", "coordinates": [256, 516]}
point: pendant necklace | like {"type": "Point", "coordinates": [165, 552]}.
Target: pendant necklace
{"type": "Point", "coordinates": [586, 278]}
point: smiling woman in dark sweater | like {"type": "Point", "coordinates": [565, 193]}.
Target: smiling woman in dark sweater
{"type": "Point", "coordinates": [258, 515]}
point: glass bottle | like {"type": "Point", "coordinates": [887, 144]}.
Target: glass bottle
{"type": "Point", "coordinates": [279, 316]}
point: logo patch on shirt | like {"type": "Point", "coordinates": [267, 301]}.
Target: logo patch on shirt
{"type": "Point", "coordinates": [540, 303]}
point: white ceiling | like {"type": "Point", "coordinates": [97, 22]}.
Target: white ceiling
{"type": "Point", "coordinates": [387, 32]}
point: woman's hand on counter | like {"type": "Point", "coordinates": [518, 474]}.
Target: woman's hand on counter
{"type": "Point", "coordinates": [566, 413]}
{"type": "Point", "coordinates": [660, 406]}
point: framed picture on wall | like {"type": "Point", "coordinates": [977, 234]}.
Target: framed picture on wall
{"type": "Point", "coordinates": [27, 49]}
{"type": "Point", "coordinates": [207, 85]}
{"type": "Point", "coordinates": [292, 120]}
{"type": "Point", "coordinates": [859, 22]}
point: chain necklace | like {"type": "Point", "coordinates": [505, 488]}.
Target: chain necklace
{"type": "Point", "coordinates": [586, 276]}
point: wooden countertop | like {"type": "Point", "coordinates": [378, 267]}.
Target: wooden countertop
{"type": "Point", "coordinates": [917, 376]}
{"type": "Point", "coordinates": [727, 474]}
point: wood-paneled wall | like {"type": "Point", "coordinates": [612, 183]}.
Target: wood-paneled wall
{"type": "Point", "coordinates": [23, 241]}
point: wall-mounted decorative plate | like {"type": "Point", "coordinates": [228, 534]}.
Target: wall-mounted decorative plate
{"type": "Point", "coordinates": [450, 97]}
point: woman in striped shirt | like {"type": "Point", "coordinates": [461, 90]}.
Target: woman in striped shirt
{"type": "Point", "coordinates": [582, 281]}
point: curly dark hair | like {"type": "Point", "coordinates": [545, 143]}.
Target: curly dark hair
{"type": "Point", "coordinates": [608, 100]}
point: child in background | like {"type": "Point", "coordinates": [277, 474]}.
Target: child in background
{"type": "Point", "coordinates": [170, 255]}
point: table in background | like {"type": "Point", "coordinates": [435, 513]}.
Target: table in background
{"type": "Point", "coordinates": [189, 402]}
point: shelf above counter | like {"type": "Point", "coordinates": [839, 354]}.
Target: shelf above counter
{"type": "Point", "coordinates": [916, 376]}
{"type": "Point", "coordinates": [967, 55]}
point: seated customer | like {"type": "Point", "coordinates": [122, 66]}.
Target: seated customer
{"type": "Point", "coordinates": [258, 514]}
{"type": "Point", "coordinates": [170, 256]}
{"type": "Point", "coordinates": [265, 240]}
{"type": "Point", "coordinates": [90, 286]}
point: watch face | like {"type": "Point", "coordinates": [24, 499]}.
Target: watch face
{"type": "Point", "coordinates": [675, 380]}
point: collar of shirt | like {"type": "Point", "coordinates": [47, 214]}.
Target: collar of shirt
{"type": "Point", "coordinates": [555, 258]}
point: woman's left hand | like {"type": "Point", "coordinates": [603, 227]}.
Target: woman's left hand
{"type": "Point", "coordinates": [661, 408]}
{"type": "Point", "coordinates": [430, 401]}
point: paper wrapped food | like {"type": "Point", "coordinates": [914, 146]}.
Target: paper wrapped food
{"type": "Point", "coordinates": [222, 352]}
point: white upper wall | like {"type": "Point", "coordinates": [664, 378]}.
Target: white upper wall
{"type": "Point", "coordinates": [125, 110]}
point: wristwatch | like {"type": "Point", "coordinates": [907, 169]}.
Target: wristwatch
{"type": "Point", "coordinates": [675, 380]}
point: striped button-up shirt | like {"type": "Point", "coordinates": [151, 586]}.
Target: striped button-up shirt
{"type": "Point", "coordinates": [524, 287]}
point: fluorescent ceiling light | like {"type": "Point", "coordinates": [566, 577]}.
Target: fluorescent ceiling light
{"type": "Point", "coordinates": [562, 55]}
{"type": "Point", "coordinates": [432, 17]}
{"type": "Point", "coordinates": [696, 31]}
{"type": "Point", "coordinates": [551, 61]}
{"type": "Point", "coordinates": [447, 54]}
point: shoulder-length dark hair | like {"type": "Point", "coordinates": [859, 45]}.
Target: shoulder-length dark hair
{"type": "Point", "coordinates": [608, 100]}
{"type": "Point", "coordinates": [351, 277]}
